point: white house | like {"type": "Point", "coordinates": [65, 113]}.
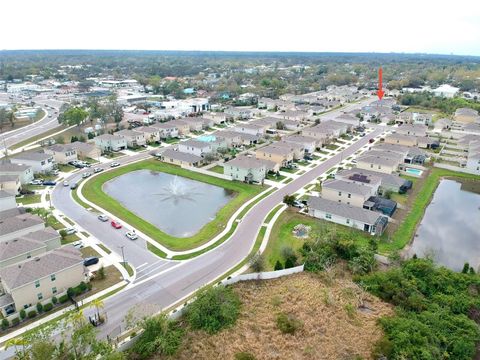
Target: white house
{"type": "Point", "coordinates": [108, 142]}
{"type": "Point", "coordinates": [40, 162]}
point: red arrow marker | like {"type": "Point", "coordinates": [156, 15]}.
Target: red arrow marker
{"type": "Point", "coordinates": [380, 91]}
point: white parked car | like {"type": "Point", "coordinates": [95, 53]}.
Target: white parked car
{"type": "Point", "coordinates": [78, 245]}
{"type": "Point", "coordinates": [86, 175]}
{"type": "Point", "coordinates": [37, 182]}
{"type": "Point", "coordinates": [131, 235]}
{"type": "Point", "coordinates": [103, 217]}
{"type": "Point", "coordinates": [70, 230]}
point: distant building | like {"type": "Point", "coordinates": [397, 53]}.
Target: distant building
{"type": "Point", "coordinates": [446, 90]}
{"type": "Point", "coordinates": [62, 153]}
{"type": "Point", "coordinates": [107, 142]}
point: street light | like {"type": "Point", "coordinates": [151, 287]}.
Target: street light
{"type": "Point", "coordinates": [123, 254]}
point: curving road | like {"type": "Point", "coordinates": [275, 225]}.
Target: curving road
{"type": "Point", "coordinates": [168, 282]}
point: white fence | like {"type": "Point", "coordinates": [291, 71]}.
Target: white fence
{"type": "Point", "coordinates": [207, 172]}
{"type": "Point", "coordinates": [455, 168]}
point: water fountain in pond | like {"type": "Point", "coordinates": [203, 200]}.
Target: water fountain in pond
{"type": "Point", "coordinates": [177, 190]}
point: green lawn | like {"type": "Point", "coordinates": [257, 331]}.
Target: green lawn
{"type": "Point", "coordinates": [332, 147]}
{"type": "Point", "coordinates": [36, 138]}
{"type": "Point", "coordinates": [69, 239]}
{"type": "Point", "coordinates": [406, 229]}
{"type": "Point", "coordinates": [54, 223]}
{"type": "Point", "coordinates": [128, 268]}
{"type": "Point", "coordinates": [217, 169]}
{"type": "Point", "coordinates": [65, 168]}
{"type": "Point", "coordinates": [274, 177]}
{"type": "Point", "coordinates": [29, 199]}
{"type": "Point", "coordinates": [104, 248]}
{"type": "Point", "coordinates": [272, 213]}
{"type": "Point", "coordinates": [92, 190]}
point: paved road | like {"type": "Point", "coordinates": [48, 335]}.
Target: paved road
{"type": "Point", "coordinates": [16, 136]}
{"type": "Point", "coordinates": [175, 282]}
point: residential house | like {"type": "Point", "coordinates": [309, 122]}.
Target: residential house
{"type": "Point", "coordinates": [308, 143]}
{"type": "Point", "coordinates": [107, 142]}
{"type": "Point", "coordinates": [151, 133]}
{"type": "Point", "coordinates": [182, 127]}
{"type": "Point", "coordinates": [28, 246]}
{"type": "Point", "coordinates": [388, 182]}
{"type": "Point", "coordinates": [251, 129]}
{"type": "Point", "coordinates": [86, 150]}
{"type": "Point", "coordinates": [10, 183]}
{"type": "Point", "coordinates": [378, 163]}
{"type": "Point", "coordinates": [40, 278]}
{"type": "Point", "coordinates": [446, 90]}
{"type": "Point", "coordinates": [298, 150]}
{"type": "Point", "coordinates": [422, 119]}
{"type": "Point", "coordinates": [62, 153]}
{"type": "Point", "coordinates": [7, 201]}
{"type": "Point", "coordinates": [12, 227]}
{"type": "Point", "coordinates": [238, 113]}
{"type": "Point", "coordinates": [293, 115]}
{"type": "Point", "coordinates": [166, 130]}
{"type": "Point", "coordinates": [282, 156]}
{"type": "Point", "coordinates": [194, 123]}
{"type": "Point", "coordinates": [406, 140]}
{"type": "Point", "coordinates": [218, 118]}
{"type": "Point", "coordinates": [24, 172]}
{"type": "Point", "coordinates": [412, 129]}
{"type": "Point", "coordinates": [249, 169]}
{"type": "Point", "coordinates": [425, 142]}
{"type": "Point", "coordinates": [472, 128]}
{"type": "Point", "coordinates": [348, 192]}
{"type": "Point", "coordinates": [134, 138]}
{"type": "Point", "coordinates": [39, 162]}
{"type": "Point", "coordinates": [180, 158]}
{"type": "Point", "coordinates": [348, 119]}
{"type": "Point", "coordinates": [348, 215]}
{"type": "Point", "coordinates": [196, 147]}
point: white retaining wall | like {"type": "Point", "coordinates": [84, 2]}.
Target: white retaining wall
{"type": "Point", "coordinates": [454, 168]}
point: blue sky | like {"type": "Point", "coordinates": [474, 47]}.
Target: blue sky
{"type": "Point", "coordinates": [245, 25]}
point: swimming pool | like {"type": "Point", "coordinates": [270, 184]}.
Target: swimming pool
{"type": "Point", "coordinates": [207, 138]}
{"type": "Point", "coordinates": [413, 171]}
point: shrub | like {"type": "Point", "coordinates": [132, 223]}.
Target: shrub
{"type": "Point", "coordinates": [161, 336]}
{"type": "Point", "coordinates": [39, 307]}
{"type": "Point", "coordinates": [32, 314]}
{"type": "Point", "coordinates": [278, 266]}
{"type": "Point", "coordinates": [101, 273]}
{"type": "Point", "coordinates": [15, 321]}
{"type": "Point", "coordinates": [287, 323]}
{"type": "Point", "coordinates": [214, 309]}
{"type": "Point", "coordinates": [5, 324]}
{"type": "Point", "coordinates": [289, 263]}
{"type": "Point", "coordinates": [244, 356]}
{"type": "Point", "coordinates": [82, 286]}
{"type": "Point", "coordinates": [23, 314]}
{"type": "Point", "coordinates": [257, 263]}
{"type": "Point", "coordinates": [54, 300]}
{"type": "Point", "coordinates": [63, 233]}
{"type": "Point", "coordinates": [63, 299]}
{"type": "Point", "coordinates": [47, 307]}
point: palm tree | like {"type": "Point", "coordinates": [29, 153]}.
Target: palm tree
{"type": "Point", "coordinates": [42, 212]}
{"type": "Point", "coordinates": [98, 305]}
{"type": "Point", "coordinates": [77, 319]}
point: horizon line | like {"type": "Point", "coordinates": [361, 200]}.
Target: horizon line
{"type": "Point", "coordinates": [246, 51]}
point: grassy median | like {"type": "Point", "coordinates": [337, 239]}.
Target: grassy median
{"type": "Point", "coordinates": [92, 190]}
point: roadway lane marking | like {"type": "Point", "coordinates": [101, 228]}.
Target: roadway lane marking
{"type": "Point", "coordinates": [138, 267]}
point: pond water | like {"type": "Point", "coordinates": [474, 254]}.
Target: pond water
{"type": "Point", "coordinates": [450, 228]}
{"type": "Point", "coordinates": [178, 206]}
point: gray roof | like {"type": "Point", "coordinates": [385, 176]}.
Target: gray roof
{"type": "Point", "coordinates": [13, 177]}
{"type": "Point", "coordinates": [32, 155]}
{"type": "Point", "coordinates": [343, 210]}
{"type": "Point", "coordinates": [108, 137]}
{"type": "Point", "coordinates": [32, 241]}
{"type": "Point", "coordinates": [247, 162]}
{"type": "Point", "coordinates": [128, 133]}
{"type": "Point", "coordinates": [271, 149]}
{"type": "Point", "coordinates": [18, 222]}
{"type": "Point", "coordinates": [170, 153]}
{"type": "Point", "coordinates": [390, 180]}
{"type": "Point", "coordinates": [381, 160]}
{"type": "Point", "coordinates": [164, 126]}
{"type": "Point", "coordinates": [81, 146]}
{"type": "Point", "coordinates": [37, 268]}
{"type": "Point", "coordinates": [347, 186]}
{"type": "Point", "coordinates": [466, 111]}
{"type": "Point", "coordinates": [7, 166]}
{"type": "Point", "coordinates": [299, 139]}
{"type": "Point", "coordinates": [195, 143]}
{"type": "Point", "coordinates": [6, 194]}
{"type": "Point", "coordinates": [148, 129]}
{"type": "Point", "coordinates": [60, 147]}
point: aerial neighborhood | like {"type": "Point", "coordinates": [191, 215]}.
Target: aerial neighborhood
{"type": "Point", "coordinates": [130, 185]}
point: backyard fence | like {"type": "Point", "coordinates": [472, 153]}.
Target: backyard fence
{"type": "Point", "coordinates": [455, 168]}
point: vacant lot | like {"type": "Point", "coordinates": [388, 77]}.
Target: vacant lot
{"type": "Point", "coordinates": [335, 325]}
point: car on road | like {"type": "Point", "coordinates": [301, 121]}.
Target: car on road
{"type": "Point", "coordinates": [73, 186]}
{"type": "Point", "coordinates": [70, 230]}
{"type": "Point", "coordinates": [86, 175]}
{"type": "Point", "coordinates": [65, 183]}
{"type": "Point", "coordinates": [103, 217]}
{"type": "Point", "coordinates": [36, 182]}
{"type": "Point", "coordinates": [78, 245]}
{"type": "Point", "coordinates": [114, 164]}
{"type": "Point", "coordinates": [131, 235]}
{"type": "Point", "coordinates": [92, 260]}
{"type": "Point", "coordinates": [116, 224]}
{"type": "Point", "coordinates": [49, 183]}
{"type": "Point", "coordinates": [97, 170]}
{"type": "Point", "coordinates": [371, 141]}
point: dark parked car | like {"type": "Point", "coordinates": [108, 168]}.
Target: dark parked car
{"type": "Point", "coordinates": [49, 183]}
{"type": "Point", "coordinates": [92, 260]}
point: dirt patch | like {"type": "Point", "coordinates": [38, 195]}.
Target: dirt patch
{"type": "Point", "coordinates": [339, 321]}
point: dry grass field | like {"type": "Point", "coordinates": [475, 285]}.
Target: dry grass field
{"type": "Point", "coordinates": [338, 321]}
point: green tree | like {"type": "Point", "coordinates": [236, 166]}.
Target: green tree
{"type": "Point", "coordinates": [73, 116]}
{"type": "Point", "coordinates": [214, 309]}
